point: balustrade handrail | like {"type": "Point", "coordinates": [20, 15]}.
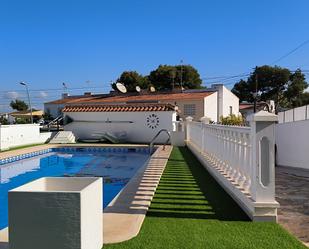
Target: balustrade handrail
{"type": "Point", "coordinates": [230, 127]}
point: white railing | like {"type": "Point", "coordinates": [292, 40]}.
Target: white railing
{"type": "Point", "coordinates": [227, 147]}
{"type": "Point", "coordinates": [243, 156]}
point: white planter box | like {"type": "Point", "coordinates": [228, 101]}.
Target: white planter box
{"type": "Point", "coordinates": [57, 213]}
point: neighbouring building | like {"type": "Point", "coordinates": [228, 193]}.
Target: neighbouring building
{"type": "Point", "coordinates": [26, 115]}
{"type": "Point", "coordinates": [247, 109]}
{"type": "Point", "coordinates": [211, 102]}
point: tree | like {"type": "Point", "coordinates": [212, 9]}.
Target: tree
{"type": "Point", "coordinates": [295, 89]}
{"type": "Point", "coordinates": [304, 98]}
{"type": "Point", "coordinates": [47, 115]}
{"type": "Point", "coordinates": [19, 105]}
{"type": "Point", "coordinates": [131, 79]}
{"type": "Point", "coordinates": [166, 77]}
{"type": "Point", "coordinates": [272, 83]}
{"type": "Point", "coordinates": [4, 121]}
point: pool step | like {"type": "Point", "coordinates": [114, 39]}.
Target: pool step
{"type": "Point", "coordinates": [63, 137]}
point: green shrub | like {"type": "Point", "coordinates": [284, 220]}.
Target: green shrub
{"type": "Point", "coordinates": [232, 120]}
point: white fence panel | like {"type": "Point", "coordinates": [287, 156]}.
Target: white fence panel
{"type": "Point", "coordinates": [300, 113]}
{"type": "Point", "coordinates": [289, 116]}
{"type": "Point", "coordinates": [296, 114]}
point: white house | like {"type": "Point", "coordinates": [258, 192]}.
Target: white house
{"type": "Point", "coordinates": [135, 123]}
{"type": "Point", "coordinates": [212, 102]}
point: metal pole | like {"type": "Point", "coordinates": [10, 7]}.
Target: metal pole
{"type": "Point", "coordinates": [31, 116]}
{"type": "Point", "coordinates": [181, 74]}
{"type": "Point", "coordinates": [256, 89]}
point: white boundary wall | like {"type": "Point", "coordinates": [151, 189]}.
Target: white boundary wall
{"type": "Point", "coordinates": [241, 159]}
{"type": "Point", "coordinates": [292, 140]}
{"type": "Point", "coordinates": [296, 114]}
{"type": "Point", "coordinates": [21, 134]}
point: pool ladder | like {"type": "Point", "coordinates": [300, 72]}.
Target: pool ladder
{"type": "Point", "coordinates": [155, 137]}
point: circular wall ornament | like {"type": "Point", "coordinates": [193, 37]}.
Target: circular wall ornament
{"type": "Point", "coordinates": [152, 121]}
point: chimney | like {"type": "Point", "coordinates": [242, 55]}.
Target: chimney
{"type": "Point", "coordinates": [219, 88]}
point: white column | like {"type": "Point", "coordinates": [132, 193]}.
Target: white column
{"type": "Point", "coordinates": [204, 121]}
{"type": "Point", "coordinates": [188, 120]}
{"type": "Point", "coordinates": [263, 156]}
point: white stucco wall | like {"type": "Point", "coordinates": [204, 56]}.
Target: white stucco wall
{"type": "Point", "coordinates": [72, 203]}
{"type": "Point", "coordinates": [292, 140]}
{"type": "Point", "coordinates": [226, 99]}
{"type": "Point", "coordinates": [88, 123]}
{"type": "Point", "coordinates": [229, 99]}
{"type": "Point", "coordinates": [296, 114]}
{"type": "Point", "coordinates": [21, 134]}
{"type": "Point", "coordinates": [210, 106]}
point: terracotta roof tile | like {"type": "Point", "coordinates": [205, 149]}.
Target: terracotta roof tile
{"type": "Point", "coordinates": [119, 108]}
{"type": "Point", "coordinates": [132, 98]}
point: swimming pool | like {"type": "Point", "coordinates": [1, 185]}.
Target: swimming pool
{"type": "Point", "coordinates": [116, 165]}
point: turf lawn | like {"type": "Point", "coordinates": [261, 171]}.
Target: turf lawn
{"type": "Point", "coordinates": [190, 210]}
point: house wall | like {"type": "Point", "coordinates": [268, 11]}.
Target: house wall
{"type": "Point", "coordinates": [199, 107]}
{"type": "Point", "coordinates": [292, 140]}
{"type": "Point", "coordinates": [226, 99]}
{"type": "Point", "coordinates": [86, 124]}
{"type": "Point", "coordinates": [210, 106]}
{"type": "Point", "coordinates": [19, 135]}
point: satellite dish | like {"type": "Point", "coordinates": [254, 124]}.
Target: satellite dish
{"type": "Point", "coordinates": [152, 89]}
{"type": "Point", "coordinates": [121, 87]}
{"type": "Point", "coordinates": [138, 89]}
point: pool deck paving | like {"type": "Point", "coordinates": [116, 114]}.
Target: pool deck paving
{"type": "Point", "coordinates": [123, 218]}
{"type": "Point", "coordinates": [292, 192]}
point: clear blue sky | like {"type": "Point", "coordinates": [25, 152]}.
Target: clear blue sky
{"type": "Point", "coordinates": [49, 42]}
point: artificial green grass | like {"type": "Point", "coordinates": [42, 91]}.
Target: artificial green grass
{"type": "Point", "coordinates": [190, 210]}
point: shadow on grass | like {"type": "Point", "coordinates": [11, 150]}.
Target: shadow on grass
{"type": "Point", "coordinates": [220, 206]}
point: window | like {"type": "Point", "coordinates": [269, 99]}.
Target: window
{"type": "Point", "coordinates": [189, 110]}
{"type": "Point", "coordinates": [231, 110]}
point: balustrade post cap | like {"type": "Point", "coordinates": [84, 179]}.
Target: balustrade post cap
{"type": "Point", "coordinates": [189, 119]}
{"type": "Point", "coordinates": [205, 120]}
{"type": "Point", "coordinates": [263, 116]}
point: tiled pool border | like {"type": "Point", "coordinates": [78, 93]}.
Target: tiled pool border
{"type": "Point", "coordinates": [12, 159]}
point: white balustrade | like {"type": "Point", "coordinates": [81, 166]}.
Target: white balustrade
{"type": "Point", "coordinates": [244, 156]}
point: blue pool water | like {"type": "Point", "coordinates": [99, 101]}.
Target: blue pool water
{"type": "Point", "coordinates": [116, 168]}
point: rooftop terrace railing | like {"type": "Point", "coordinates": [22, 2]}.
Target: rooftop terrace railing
{"type": "Point", "coordinates": [241, 159]}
